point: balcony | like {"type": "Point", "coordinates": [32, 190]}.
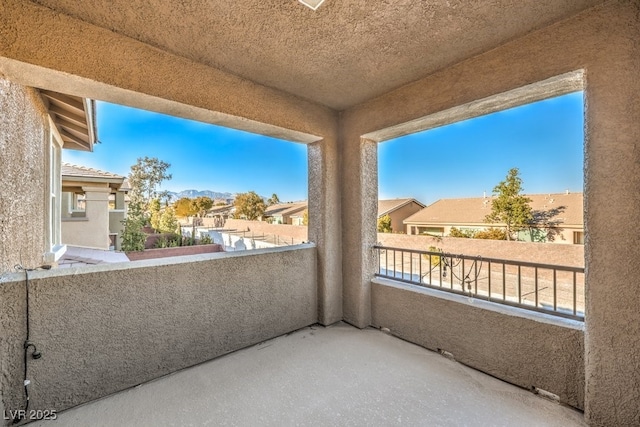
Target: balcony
{"type": "Point", "coordinates": [307, 80]}
{"type": "Point", "coordinates": [252, 317]}
{"type": "Point", "coordinates": [338, 375]}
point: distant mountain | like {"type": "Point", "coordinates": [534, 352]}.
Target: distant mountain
{"type": "Point", "coordinates": [192, 194]}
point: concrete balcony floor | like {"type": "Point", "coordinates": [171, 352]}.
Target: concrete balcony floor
{"type": "Point", "coordinates": [331, 376]}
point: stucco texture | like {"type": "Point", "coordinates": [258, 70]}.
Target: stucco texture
{"type": "Point", "coordinates": [106, 328]}
{"type": "Point", "coordinates": [71, 56]}
{"type": "Point", "coordinates": [23, 181]}
{"type": "Point", "coordinates": [604, 42]}
{"type": "Point", "coordinates": [45, 48]}
{"type": "Point", "coordinates": [526, 350]}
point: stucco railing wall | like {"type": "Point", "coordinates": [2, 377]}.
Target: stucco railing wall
{"type": "Point", "coordinates": [542, 253]}
{"type": "Point", "coordinates": [525, 349]}
{"type": "Point", "coordinates": [105, 328]}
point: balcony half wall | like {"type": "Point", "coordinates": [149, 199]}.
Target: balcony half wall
{"type": "Point", "coordinates": [531, 350]}
{"type": "Point", "coordinates": [105, 328]}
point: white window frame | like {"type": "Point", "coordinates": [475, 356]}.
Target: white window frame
{"type": "Point", "coordinates": [54, 249]}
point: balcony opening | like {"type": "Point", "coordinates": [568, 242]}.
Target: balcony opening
{"type": "Point", "coordinates": [210, 169]}
{"type": "Point", "coordinates": [496, 205]}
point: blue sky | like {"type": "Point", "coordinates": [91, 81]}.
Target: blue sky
{"type": "Point", "coordinates": [202, 156]}
{"type": "Point", "coordinates": [544, 140]}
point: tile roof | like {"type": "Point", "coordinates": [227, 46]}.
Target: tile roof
{"type": "Point", "coordinates": [69, 170]}
{"type": "Point", "coordinates": [473, 210]}
{"type": "Point", "coordinates": [389, 205]}
{"type": "Point", "coordinates": [221, 209]}
{"type": "Point", "coordinates": [285, 208]}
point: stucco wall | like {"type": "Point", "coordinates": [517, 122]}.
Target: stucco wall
{"type": "Point", "coordinates": [543, 253]}
{"type": "Point", "coordinates": [105, 328]}
{"type": "Point", "coordinates": [529, 350]}
{"type": "Point", "coordinates": [23, 147]}
{"type": "Point", "coordinates": [85, 232]}
{"type": "Point", "coordinates": [603, 41]}
{"type": "Point", "coordinates": [399, 215]}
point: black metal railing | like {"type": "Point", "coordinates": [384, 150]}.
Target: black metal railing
{"type": "Point", "coordinates": [547, 288]}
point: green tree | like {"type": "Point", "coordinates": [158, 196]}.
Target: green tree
{"type": "Point", "coordinates": [168, 222]}
{"type": "Point", "coordinates": [155, 214]}
{"type": "Point", "coordinates": [305, 217]}
{"type": "Point", "coordinates": [273, 200]}
{"type": "Point", "coordinates": [145, 178]}
{"type": "Point", "coordinates": [384, 224]}
{"type": "Point", "coordinates": [184, 207]}
{"type": "Point", "coordinates": [133, 238]}
{"type": "Point", "coordinates": [249, 205]}
{"type": "Point", "coordinates": [510, 207]}
{"type": "Point", "coordinates": [201, 205]}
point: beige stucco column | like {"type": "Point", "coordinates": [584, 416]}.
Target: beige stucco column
{"type": "Point", "coordinates": [97, 212]}
{"type": "Point", "coordinates": [359, 214]}
{"type": "Point", "coordinates": [325, 226]}
{"type": "Point", "coordinates": [612, 199]}
{"type": "Point", "coordinates": [119, 202]}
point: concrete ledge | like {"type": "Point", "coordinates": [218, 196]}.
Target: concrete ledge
{"type": "Point", "coordinates": [108, 327]}
{"type": "Point", "coordinates": [524, 348]}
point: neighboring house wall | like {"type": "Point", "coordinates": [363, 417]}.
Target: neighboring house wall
{"type": "Point", "coordinates": [96, 222]}
{"type": "Point", "coordinates": [116, 226]}
{"type": "Point", "coordinates": [92, 230]}
{"type": "Point", "coordinates": [399, 215]}
{"type": "Point", "coordinates": [24, 181]}
{"type": "Point", "coordinates": [556, 216]}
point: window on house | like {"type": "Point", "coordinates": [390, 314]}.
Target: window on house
{"type": "Point", "coordinates": [53, 243]}
{"type": "Point", "coordinates": [432, 231]}
{"type": "Point", "coordinates": [79, 206]}
{"type": "Point", "coordinates": [54, 191]}
{"type": "Point", "coordinates": [578, 237]}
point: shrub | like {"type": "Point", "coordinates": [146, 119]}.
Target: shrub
{"type": "Point", "coordinates": [492, 234]}
{"type": "Point", "coordinates": [133, 238]}
{"type": "Point", "coordinates": [435, 259]}
{"type": "Point", "coordinates": [465, 234]}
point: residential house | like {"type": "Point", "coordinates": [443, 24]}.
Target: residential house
{"type": "Point", "coordinates": [341, 79]}
{"type": "Point", "coordinates": [35, 125]}
{"type": "Point", "coordinates": [557, 218]}
{"type": "Point", "coordinates": [398, 210]}
{"type": "Point", "coordinates": [286, 213]}
{"type": "Point", "coordinates": [93, 207]}
{"type": "Point", "coordinates": [220, 214]}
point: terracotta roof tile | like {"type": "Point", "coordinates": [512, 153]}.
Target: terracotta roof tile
{"type": "Point", "coordinates": [285, 208]}
{"type": "Point", "coordinates": [85, 172]}
{"type": "Point", "coordinates": [473, 210]}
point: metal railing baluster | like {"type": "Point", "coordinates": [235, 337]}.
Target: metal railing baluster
{"type": "Point", "coordinates": [451, 265]}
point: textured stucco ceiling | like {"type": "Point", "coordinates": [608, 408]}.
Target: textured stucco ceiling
{"type": "Point", "coordinates": [344, 53]}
